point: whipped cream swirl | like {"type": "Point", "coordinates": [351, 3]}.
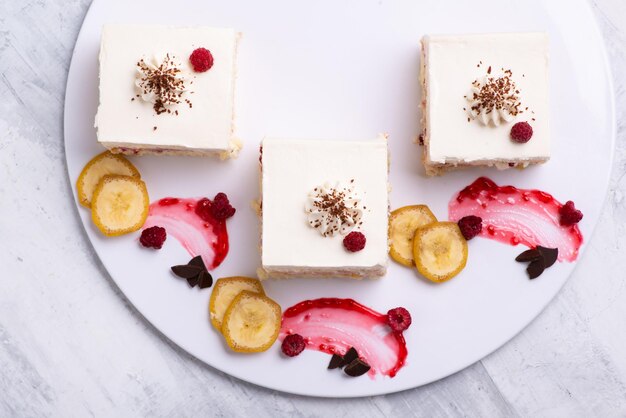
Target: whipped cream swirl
{"type": "Point", "coordinates": [160, 81]}
{"type": "Point", "coordinates": [334, 209]}
{"type": "Point", "coordinates": [494, 99]}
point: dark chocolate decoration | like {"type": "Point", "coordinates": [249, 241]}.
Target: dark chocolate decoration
{"type": "Point", "coordinates": [356, 368]}
{"type": "Point", "coordinates": [528, 255]}
{"type": "Point", "coordinates": [335, 361]}
{"type": "Point", "coordinates": [338, 361]}
{"type": "Point", "coordinates": [350, 356]}
{"type": "Point", "coordinates": [195, 272]}
{"type": "Point", "coordinates": [192, 281]}
{"type": "Point", "coordinates": [197, 261]}
{"type": "Point", "coordinates": [186, 271]}
{"type": "Point", "coordinates": [540, 259]}
{"type": "Point", "coordinates": [535, 268]}
{"type": "Point", "coordinates": [205, 279]}
{"type": "Point", "coordinates": [549, 255]}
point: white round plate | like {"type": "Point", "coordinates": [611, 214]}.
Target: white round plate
{"type": "Point", "coordinates": [348, 69]}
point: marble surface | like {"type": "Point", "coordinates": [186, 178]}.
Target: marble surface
{"type": "Point", "coordinates": [70, 345]}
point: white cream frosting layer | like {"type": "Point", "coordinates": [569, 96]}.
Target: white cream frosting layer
{"type": "Point", "coordinates": [290, 170]}
{"type": "Point", "coordinates": [453, 62]}
{"type": "Point", "coordinates": [124, 122]}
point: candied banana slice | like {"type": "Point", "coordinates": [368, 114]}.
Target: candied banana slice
{"type": "Point", "coordinates": [251, 323]}
{"type": "Point", "coordinates": [403, 223]}
{"type": "Point", "coordinates": [440, 251]}
{"type": "Point", "coordinates": [99, 166]}
{"type": "Point", "coordinates": [119, 205]}
{"type": "Point", "coordinates": [224, 292]}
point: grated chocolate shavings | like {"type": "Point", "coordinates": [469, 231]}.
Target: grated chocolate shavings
{"type": "Point", "coordinates": [164, 82]}
{"type": "Point", "coordinates": [332, 203]}
{"type": "Point", "coordinates": [496, 93]}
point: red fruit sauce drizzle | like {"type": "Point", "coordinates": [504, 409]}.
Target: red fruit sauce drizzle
{"type": "Point", "coordinates": [517, 216]}
{"type": "Point", "coordinates": [199, 237]}
{"type": "Point", "coordinates": [334, 325]}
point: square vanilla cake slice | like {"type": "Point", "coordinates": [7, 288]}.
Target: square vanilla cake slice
{"type": "Point", "coordinates": [167, 90]}
{"type": "Point", "coordinates": [475, 90]}
{"type": "Point", "coordinates": [321, 200]}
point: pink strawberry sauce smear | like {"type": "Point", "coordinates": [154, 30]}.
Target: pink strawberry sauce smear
{"type": "Point", "coordinates": [517, 216]}
{"type": "Point", "coordinates": [334, 325]}
{"type": "Point", "coordinates": [198, 237]}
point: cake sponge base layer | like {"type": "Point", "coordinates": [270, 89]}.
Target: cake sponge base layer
{"type": "Point", "coordinates": [373, 272]}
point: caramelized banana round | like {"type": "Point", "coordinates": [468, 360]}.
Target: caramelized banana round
{"type": "Point", "coordinates": [251, 323]}
{"type": "Point", "coordinates": [440, 251]}
{"type": "Point", "coordinates": [119, 205]}
{"type": "Point", "coordinates": [99, 166]}
{"type": "Point", "coordinates": [403, 223]}
{"type": "Point", "coordinates": [224, 292]}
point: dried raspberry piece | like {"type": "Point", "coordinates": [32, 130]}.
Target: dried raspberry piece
{"type": "Point", "coordinates": [153, 237]}
{"type": "Point", "coordinates": [470, 226]}
{"type": "Point", "coordinates": [569, 214]}
{"type": "Point", "coordinates": [399, 319]}
{"type": "Point", "coordinates": [293, 345]}
{"type": "Point", "coordinates": [521, 132]}
{"type": "Point", "coordinates": [221, 208]}
{"type": "Point", "coordinates": [201, 59]}
{"type": "Point", "coordinates": [354, 241]}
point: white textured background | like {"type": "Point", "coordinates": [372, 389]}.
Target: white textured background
{"type": "Point", "coordinates": [70, 345]}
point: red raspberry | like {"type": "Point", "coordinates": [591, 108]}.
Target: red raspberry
{"type": "Point", "coordinates": [201, 59]}
{"type": "Point", "coordinates": [221, 208]}
{"type": "Point", "coordinates": [470, 226]}
{"type": "Point", "coordinates": [398, 319]}
{"type": "Point", "coordinates": [203, 209]}
{"type": "Point", "coordinates": [293, 345]}
{"type": "Point", "coordinates": [354, 241]}
{"type": "Point", "coordinates": [153, 237]}
{"type": "Point", "coordinates": [569, 214]}
{"type": "Point", "coordinates": [521, 132]}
